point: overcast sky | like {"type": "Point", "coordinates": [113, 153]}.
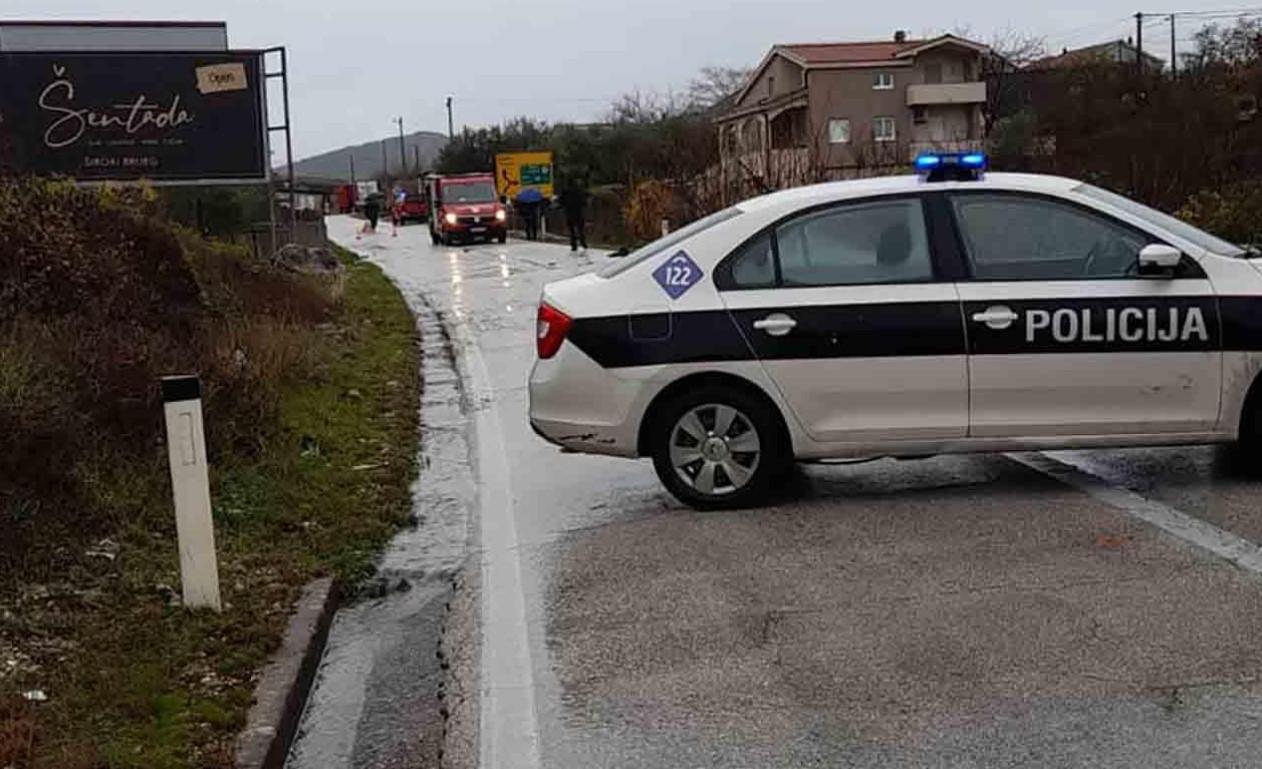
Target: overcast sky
{"type": "Point", "coordinates": [356, 65]}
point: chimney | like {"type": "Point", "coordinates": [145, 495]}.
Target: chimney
{"type": "Point", "coordinates": [900, 36]}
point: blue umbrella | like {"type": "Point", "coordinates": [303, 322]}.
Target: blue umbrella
{"type": "Point", "coordinates": [529, 195]}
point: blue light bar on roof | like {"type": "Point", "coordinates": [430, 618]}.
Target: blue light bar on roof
{"type": "Point", "coordinates": [925, 162]}
{"type": "Point", "coordinates": [957, 166]}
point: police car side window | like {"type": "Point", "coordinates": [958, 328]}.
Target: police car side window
{"type": "Point", "coordinates": [882, 241]}
{"type": "Point", "coordinates": [753, 264]}
{"type": "Point", "coordinates": [1020, 237]}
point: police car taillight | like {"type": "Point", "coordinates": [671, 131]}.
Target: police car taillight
{"type": "Point", "coordinates": [550, 328]}
{"type": "Point", "coordinates": [951, 166]}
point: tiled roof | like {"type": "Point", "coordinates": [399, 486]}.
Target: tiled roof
{"type": "Point", "coordinates": [848, 53]}
{"type": "Point", "coordinates": [1110, 52]}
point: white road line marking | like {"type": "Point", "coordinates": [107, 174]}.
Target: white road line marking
{"type": "Point", "coordinates": [1067, 469]}
{"type": "Point", "coordinates": [509, 732]}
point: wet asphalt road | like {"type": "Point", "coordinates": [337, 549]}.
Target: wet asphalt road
{"type": "Point", "coordinates": [963, 611]}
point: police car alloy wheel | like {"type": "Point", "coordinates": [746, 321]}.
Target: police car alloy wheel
{"type": "Point", "coordinates": [716, 448]}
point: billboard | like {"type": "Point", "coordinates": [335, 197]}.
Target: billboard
{"type": "Point", "coordinates": [163, 116]}
{"type": "Point", "coordinates": [515, 171]}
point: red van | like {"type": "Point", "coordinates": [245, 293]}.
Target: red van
{"type": "Point", "coordinates": [415, 208]}
{"type": "Point", "coordinates": [464, 208]}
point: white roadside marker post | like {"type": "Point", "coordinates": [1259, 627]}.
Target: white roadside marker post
{"type": "Point", "coordinates": [190, 485]}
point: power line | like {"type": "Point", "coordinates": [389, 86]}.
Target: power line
{"type": "Point", "coordinates": [1068, 34]}
{"type": "Point", "coordinates": [1220, 12]}
{"type": "Point", "coordinates": [1233, 16]}
{"type": "Point", "coordinates": [1075, 32]}
{"type": "Point", "coordinates": [505, 99]}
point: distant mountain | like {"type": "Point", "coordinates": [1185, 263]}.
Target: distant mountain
{"type": "Point", "coordinates": [336, 164]}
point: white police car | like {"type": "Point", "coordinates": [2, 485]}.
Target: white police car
{"type": "Point", "coordinates": [953, 310]}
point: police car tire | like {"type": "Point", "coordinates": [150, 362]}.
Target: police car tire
{"type": "Point", "coordinates": [1251, 423]}
{"type": "Point", "coordinates": [772, 463]}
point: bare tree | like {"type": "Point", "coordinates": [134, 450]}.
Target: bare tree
{"type": "Point", "coordinates": [714, 85]}
{"type": "Point", "coordinates": [1011, 51]}
{"type": "Point", "coordinates": [644, 108]}
{"type": "Point", "coordinates": [1233, 46]}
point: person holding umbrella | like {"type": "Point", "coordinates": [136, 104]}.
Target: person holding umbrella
{"type": "Point", "coordinates": [529, 202]}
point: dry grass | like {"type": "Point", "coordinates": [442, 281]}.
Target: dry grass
{"type": "Point", "coordinates": [17, 731]}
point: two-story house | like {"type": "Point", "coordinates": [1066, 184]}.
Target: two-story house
{"type": "Point", "coordinates": [827, 110]}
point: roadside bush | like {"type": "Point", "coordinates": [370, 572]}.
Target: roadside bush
{"type": "Point", "coordinates": [100, 298]}
{"type": "Point", "coordinates": [646, 206]}
{"type": "Point", "coordinates": [1233, 212]}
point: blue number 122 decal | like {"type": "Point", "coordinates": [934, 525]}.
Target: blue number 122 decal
{"type": "Point", "coordinates": [678, 274]}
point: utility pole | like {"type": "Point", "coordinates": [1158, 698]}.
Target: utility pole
{"type": "Point", "coordinates": [1174, 67]}
{"type": "Point", "coordinates": [385, 167]}
{"type": "Point", "coordinates": [416, 159]}
{"type": "Point", "coordinates": [1139, 43]}
{"type": "Point", "coordinates": [403, 152]}
{"type": "Point", "coordinates": [354, 187]}
{"type": "Point", "coordinates": [451, 128]}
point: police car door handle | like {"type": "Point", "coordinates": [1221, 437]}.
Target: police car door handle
{"type": "Point", "coordinates": [997, 317]}
{"type": "Point", "coordinates": [776, 324]}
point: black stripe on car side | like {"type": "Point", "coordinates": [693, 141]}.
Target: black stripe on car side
{"type": "Point", "coordinates": [1107, 324]}
{"type": "Point", "coordinates": [1242, 322]}
{"type": "Point", "coordinates": [827, 331]}
{"type": "Point", "coordinates": [655, 338]}
{"type": "Point", "coordinates": [908, 329]}
{"type": "Point", "coordinates": [859, 331]}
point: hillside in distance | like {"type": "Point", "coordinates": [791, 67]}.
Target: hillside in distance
{"type": "Point", "coordinates": [336, 164]}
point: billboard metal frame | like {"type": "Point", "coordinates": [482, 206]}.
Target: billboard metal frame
{"type": "Point", "coordinates": [269, 129]}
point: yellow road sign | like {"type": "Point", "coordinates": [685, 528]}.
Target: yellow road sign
{"type": "Point", "coordinates": [514, 171]}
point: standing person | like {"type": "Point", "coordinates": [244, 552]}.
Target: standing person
{"type": "Point", "coordinates": [530, 212]}
{"type": "Point", "coordinates": [530, 203]}
{"type": "Point", "coordinates": [574, 201]}
{"type": "Point", "coordinates": [372, 211]}
{"type": "Point", "coordinates": [396, 211]}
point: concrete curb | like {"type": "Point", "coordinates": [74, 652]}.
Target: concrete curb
{"type": "Point", "coordinates": [282, 690]}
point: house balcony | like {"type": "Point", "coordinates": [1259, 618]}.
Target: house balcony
{"type": "Point", "coordinates": [946, 93]}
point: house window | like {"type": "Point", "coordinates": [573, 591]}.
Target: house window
{"type": "Point", "coordinates": [883, 129]}
{"type": "Point", "coordinates": [933, 72]}
{"type": "Point", "coordinates": [882, 81]}
{"type": "Point", "coordinates": [839, 130]}
{"type": "Point", "coordinates": [919, 116]}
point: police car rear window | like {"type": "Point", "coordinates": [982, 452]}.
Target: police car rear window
{"type": "Point", "coordinates": [673, 239]}
{"type": "Point", "coordinates": [1166, 222]}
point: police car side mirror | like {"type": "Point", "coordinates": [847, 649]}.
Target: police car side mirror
{"type": "Point", "coordinates": [1159, 259]}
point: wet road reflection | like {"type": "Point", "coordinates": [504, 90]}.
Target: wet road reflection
{"type": "Point", "coordinates": [1219, 484]}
